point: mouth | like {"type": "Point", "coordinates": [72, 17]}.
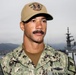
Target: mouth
{"type": "Point", "coordinates": [38, 33]}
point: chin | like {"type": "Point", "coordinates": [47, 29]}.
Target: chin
{"type": "Point", "coordinates": [39, 41]}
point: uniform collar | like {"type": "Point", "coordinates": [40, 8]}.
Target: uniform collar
{"type": "Point", "coordinates": [47, 54]}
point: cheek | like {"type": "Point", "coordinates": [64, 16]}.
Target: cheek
{"type": "Point", "coordinates": [45, 28]}
{"type": "Point", "coordinates": [28, 30]}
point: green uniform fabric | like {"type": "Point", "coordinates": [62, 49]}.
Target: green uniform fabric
{"type": "Point", "coordinates": [51, 62]}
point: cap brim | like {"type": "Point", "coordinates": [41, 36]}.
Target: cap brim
{"type": "Point", "coordinates": [46, 15]}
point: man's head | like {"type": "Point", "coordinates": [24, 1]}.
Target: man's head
{"type": "Point", "coordinates": [33, 9]}
{"type": "Point", "coordinates": [34, 18]}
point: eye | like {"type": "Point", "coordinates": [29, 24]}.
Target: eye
{"type": "Point", "coordinates": [33, 20]}
{"type": "Point", "coordinates": [44, 20]}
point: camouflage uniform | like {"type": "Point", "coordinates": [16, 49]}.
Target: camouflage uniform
{"type": "Point", "coordinates": [51, 62]}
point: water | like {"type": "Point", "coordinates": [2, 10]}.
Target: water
{"type": "Point", "coordinates": [1, 56]}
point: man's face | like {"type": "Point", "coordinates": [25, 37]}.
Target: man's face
{"type": "Point", "coordinates": [35, 29]}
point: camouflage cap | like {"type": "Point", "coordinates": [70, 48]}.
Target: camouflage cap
{"type": "Point", "coordinates": [33, 9]}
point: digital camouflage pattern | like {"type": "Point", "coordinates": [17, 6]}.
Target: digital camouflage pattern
{"type": "Point", "coordinates": [51, 62]}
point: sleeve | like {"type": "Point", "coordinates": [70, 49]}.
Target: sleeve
{"type": "Point", "coordinates": [1, 71]}
{"type": "Point", "coordinates": [5, 64]}
{"type": "Point", "coordinates": [71, 66]}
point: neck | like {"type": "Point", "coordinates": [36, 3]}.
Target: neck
{"type": "Point", "coordinates": [32, 47]}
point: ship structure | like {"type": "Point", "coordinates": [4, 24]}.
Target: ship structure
{"type": "Point", "coordinates": [71, 45]}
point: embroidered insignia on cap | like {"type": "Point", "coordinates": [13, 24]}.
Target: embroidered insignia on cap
{"type": "Point", "coordinates": [36, 6]}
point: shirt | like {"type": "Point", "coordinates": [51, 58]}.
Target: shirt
{"type": "Point", "coordinates": [51, 62]}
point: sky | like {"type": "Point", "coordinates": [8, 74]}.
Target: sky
{"type": "Point", "coordinates": [63, 12]}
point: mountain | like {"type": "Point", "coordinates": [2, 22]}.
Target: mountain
{"type": "Point", "coordinates": [8, 46]}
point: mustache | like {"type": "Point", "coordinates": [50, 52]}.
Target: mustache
{"type": "Point", "coordinates": [38, 31]}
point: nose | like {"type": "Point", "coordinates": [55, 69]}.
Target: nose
{"type": "Point", "coordinates": [39, 25]}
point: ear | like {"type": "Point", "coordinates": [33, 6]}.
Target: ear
{"type": "Point", "coordinates": [22, 26]}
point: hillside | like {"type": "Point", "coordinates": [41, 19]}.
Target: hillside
{"type": "Point", "coordinates": [7, 47]}
{"type": "Point", "coordinates": [10, 46]}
